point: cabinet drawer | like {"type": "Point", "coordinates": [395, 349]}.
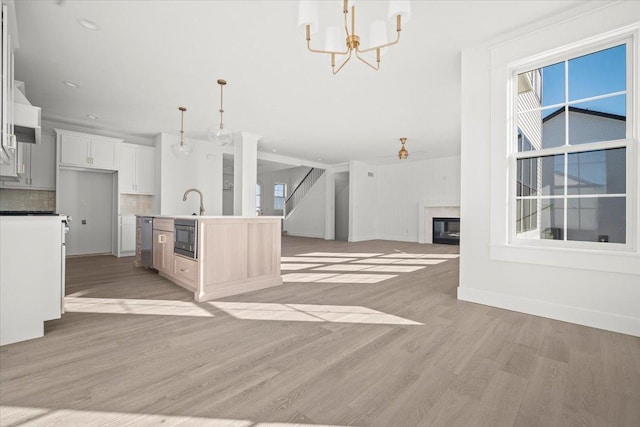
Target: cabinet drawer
{"type": "Point", "coordinates": [165, 224]}
{"type": "Point", "coordinates": [185, 269]}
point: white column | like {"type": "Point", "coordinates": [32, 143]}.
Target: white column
{"type": "Point", "coordinates": [330, 205]}
{"type": "Point", "coordinates": [245, 173]}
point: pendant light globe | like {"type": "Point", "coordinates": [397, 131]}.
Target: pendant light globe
{"type": "Point", "coordinates": [220, 134]}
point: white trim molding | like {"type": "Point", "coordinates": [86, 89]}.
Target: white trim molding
{"type": "Point", "coordinates": [596, 319]}
{"type": "Point", "coordinates": [428, 209]}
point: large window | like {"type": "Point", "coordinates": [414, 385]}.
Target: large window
{"type": "Point", "coordinates": [279, 193]}
{"type": "Point", "coordinates": [572, 136]}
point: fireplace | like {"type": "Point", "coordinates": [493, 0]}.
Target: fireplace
{"type": "Point", "coordinates": [446, 231]}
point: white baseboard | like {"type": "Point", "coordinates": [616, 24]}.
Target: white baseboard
{"type": "Point", "coordinates": [363, 238]}
{"type": "Point", "coordinates": [595, 319]}
{"type": "Point", "coordinates": [399, 238]}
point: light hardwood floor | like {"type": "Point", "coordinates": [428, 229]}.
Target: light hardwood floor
{"type": "Point", "coordinates": [135, 349]}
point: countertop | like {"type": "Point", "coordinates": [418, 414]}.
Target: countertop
{"type": "Point", "coordinates": [211, 217]}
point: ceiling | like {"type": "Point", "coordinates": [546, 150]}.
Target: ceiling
{"type": "Point", "coordinates": [151, 56]}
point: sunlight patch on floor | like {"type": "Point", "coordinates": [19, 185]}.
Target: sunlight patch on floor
{"type": "Point", "coordinates": [18, 415]}
{"type": "Point", "coordinates": [376, 261]}
{"type": "Point", "coordinates": [314, 259]}
{"type": "Point", "coordinates": [309, 313]}
{"type": "Point", "coordinates": [296, 266]}
{"type": "Point", "coordinates": [445, 256]}
{"type": "Point", "coordinates": [344, 267]}
{"type": "Point", "coordinates": [421, 261]}
{"type": "Point", "coordinates": [134, 306]}
{"type": "Point", "coordinates": [395, 268]}
{"type": "Point", "coordinates": [335, 278]}
{"type": "Point", "coordinates": [341, 254]}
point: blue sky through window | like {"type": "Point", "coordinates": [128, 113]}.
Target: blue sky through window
{"type": "Point", "coordinates": [590, 75]}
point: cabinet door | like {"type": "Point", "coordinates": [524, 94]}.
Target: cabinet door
{"type": "Point", "coordinates": [43, 164]}
{"type": "Point", "coordinates": [74, 150]}
{"type": "Point", "coordinates": [22, 167]}
{"type": "Point", "coordinates": [103, 154]}
{"type": "Point", "coordinates": [158, 249]}
{"type": "Point", "coordinates": [167, 254]}
{"type": "Point", "coordinates": [127, 237]}
{"type": "Point", "coordinates": [145, 170]}
{"type": "Point", "coordinates": [126, 169]}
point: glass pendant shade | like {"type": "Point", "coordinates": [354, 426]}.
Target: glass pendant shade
{"type": "Point", "coordinates": [334, 39]}
{"type": "Point", "coordinates": [181, 150]}
{"type": "Point", "coordinates": [308, 15]}
{"type": "Point", "coordinates": [221, 135]}
{"type": "Point", "coordinates": [400, 7]}
{"type": "Point", "coordinates": [378, 35]}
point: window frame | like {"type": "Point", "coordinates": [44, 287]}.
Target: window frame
{"type": "Point", "coordinates": [284, 195]}
{"type": "Point", "coordinates": [568, 53]}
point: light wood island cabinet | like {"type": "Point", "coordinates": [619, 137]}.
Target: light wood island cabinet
{"type": "Point", "coordinates": [234, 255]}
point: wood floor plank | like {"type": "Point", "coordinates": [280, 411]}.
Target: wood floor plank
{"type": "Point", "coordinates": [160, 358]}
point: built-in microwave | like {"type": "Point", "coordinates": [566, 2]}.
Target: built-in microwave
{"type": "Point", "coordinates": [186, 237]}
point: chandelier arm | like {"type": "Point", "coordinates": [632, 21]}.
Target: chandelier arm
{"type": "Point", "coordinates": [365, 61]}
{"type": "Point", "coordinates": [381, 46]}
{"type": "Point", "coordinates": [325, 51]}
{"type": "Point", "coordinates": [343, 64]}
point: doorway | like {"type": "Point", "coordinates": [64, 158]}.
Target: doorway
{"type": "Point", "coordinates": [88, 198]}
{"type": "Point", "coordinates": [342, 206]}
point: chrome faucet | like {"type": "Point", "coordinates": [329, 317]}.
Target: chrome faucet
{"type": "Point", "coordinates": [186, 193]}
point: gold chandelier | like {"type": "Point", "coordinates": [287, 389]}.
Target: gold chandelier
{"type": "Point", "coordinates": [399, 10]}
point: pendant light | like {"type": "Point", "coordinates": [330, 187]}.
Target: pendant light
{"type": "Point", "coordinates": [220, 134]}
{"type": "Point", "coordinates": [403, 153]}
{"type": "Point", "coordinates": [181, 149]}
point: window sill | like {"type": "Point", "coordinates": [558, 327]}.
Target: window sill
{"type": "Point", "coordinates": [584, 259]}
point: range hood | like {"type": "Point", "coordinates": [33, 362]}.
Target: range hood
{"type": "Point", "coordinates": [26, 117]}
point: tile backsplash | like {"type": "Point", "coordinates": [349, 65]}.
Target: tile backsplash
{"type": "Point", "coordinates": [27, 200]}
{"type": "Point", "coordinates": [131, 204]}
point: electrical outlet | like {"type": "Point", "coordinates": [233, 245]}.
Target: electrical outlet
{"type": "Point", "coordinates": [83, 222]}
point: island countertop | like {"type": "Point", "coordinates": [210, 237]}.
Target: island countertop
{"type": "Point", "coordinates": [167, 216]}
{"type": "Point", "coordinates": [230, 254]}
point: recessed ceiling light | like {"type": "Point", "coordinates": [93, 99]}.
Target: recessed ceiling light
{"type": "Point", "coordinates": [88, 24]}
{"type": "Point", "coordinates": [92, 117]}
{"type": "Point", "coordinates": [274, 150]}
{"type": "Point", "coordinates": [70, 84]}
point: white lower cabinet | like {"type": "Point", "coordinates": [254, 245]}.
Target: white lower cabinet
{"type": "Point", "coordinates": [127, 234]}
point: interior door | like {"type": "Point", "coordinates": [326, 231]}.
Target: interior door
{"type": "Point", "coordinates": [88, 198]}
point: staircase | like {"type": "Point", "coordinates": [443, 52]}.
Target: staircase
{"type": "Point", "coordinates": [301, 190]}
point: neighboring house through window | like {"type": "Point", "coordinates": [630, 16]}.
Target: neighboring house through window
{"type": "Point", "coordinates": [572, 139]}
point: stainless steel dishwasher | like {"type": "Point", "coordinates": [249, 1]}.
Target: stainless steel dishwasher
{"type": "Point", "coordinates": [147, 241]}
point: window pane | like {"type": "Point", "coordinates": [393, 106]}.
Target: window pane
{"type": "Point", "coordinates": [597, 219]}
{"type": "Point", "coordinates": [552, 219]}
{"type": "Point", "coordinates": [598, 73]}
{"type": "Point", "coordinates": [526, 215]}
{"type": "Point", "coordinates": [599, 120]}
{"type": "Point", "coordinates": [553, 84]}
{"type": "Point", "coordinates": [552, 175]}
{"type": "Point", "coordinates": [597, 172]}
{"type": "Point", "coordinates": [527, 180]}
{"type": "Point", "coordinates": [542, 128]}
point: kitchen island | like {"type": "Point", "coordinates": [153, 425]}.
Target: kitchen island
{"type": "Point", "coordinates": [231, 255]}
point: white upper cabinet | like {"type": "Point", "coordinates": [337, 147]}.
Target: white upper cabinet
{"type": "Point", "coordinates": [36, 166]}
{"type": "Point", "coordinates": [87, 151]}
{"type": "Point", "coordinates": [136, 169]}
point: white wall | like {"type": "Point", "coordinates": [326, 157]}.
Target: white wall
{"type": "Point", "coordinates": [594, 288]}
{"type": "Point", "coordinates": [291, 177]}
{"type": "Point", "coordinates": [342, 206]}
{"type": "Point", "coordinates": [308, 219]}
{"type": "Point", "coordinates": [363, 201]}
{"type": "Point", "coordinates": [202, 170]}
{"type": "Point", "coordinates": [403, 185]}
